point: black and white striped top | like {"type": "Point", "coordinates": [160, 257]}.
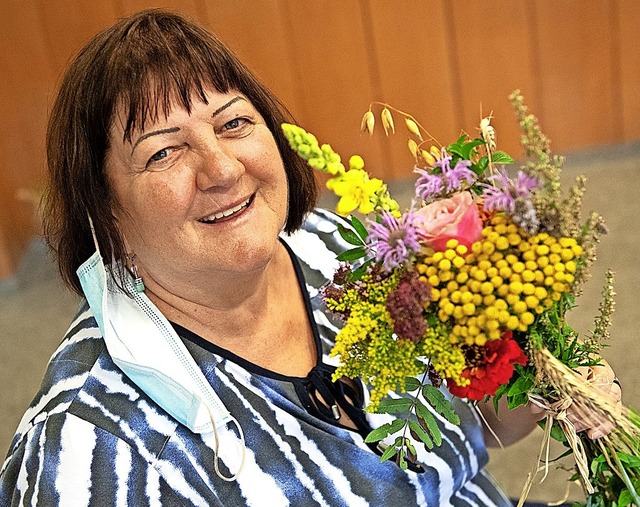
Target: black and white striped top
{"type": "Point", "coordinates": [92, 438]}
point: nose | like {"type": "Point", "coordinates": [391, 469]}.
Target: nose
{"type": "Point", "coordinates": [219, 166]}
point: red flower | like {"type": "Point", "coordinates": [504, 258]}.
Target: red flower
{"type": "Point", "coordinates": [492, 367]}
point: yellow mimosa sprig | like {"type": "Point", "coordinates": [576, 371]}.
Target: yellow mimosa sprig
{"type": "Point", "coordinates": [354, 186]}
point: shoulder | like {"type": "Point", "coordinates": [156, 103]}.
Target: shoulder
{"type": "Point", "coordinates": [84, 392]}
{"type": "Point", "coordinates": [66, 460]}
{"type": "Point", "coordinates": [317, 243]}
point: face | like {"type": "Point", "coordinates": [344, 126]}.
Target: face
{"type": "Point", "coordinates": [201, 194]}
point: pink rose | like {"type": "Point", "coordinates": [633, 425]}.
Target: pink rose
{"type": "Point", "coordinates": [453, 218]}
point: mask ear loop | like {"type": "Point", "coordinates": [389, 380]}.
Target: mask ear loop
{"type": "Point", "coordinates": [216, 453]}
{"type": "Point", "coordinates": [93, 234]}
{"type": "Point", "coordinates": [216, 460]}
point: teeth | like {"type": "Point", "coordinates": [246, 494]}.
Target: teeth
{"type": "Point", "coordinates": [226, 213]}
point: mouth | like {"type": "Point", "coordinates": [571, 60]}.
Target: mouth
{"type": "Point", "coordinates": [228, 214]}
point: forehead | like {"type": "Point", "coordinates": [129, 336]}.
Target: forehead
{"type": "Point", "coordinates": [132, 118]}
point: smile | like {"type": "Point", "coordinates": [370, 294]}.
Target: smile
{"type": "Point", "coordinates": [217, 217]}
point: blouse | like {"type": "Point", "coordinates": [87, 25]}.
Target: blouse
{"type": "Point", "coordinates": [92, 437]}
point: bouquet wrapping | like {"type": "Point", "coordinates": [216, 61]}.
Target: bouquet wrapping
{"type": "Point", "coordinates": [469, 289]}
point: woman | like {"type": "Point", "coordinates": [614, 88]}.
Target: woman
{"type": "Point", "coordinates": [196, 373]}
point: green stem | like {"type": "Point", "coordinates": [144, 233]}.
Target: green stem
{"type": "Point", "coordinates": [627, 480]}
{"type": "Point", "coordinates": [413, 407]}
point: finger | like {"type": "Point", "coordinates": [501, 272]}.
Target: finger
{"type": "Point", "coordinates": [536, 409]}
{"type": "Point", "coordinates": [584, 371]}
{"type": "Point", "coordinates": [615, 392]}
{"type": "Point", "coordinates": [602, 374]}
{"type": "Point", "coordinates": [601, 431]}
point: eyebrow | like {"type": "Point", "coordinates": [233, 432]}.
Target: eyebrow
{"type": "Point", "coordinates": [223, 107]}
{"type": "Point", "coordinates": [176, 129]}
{"type": "Point", "coordinates": [154, 133]}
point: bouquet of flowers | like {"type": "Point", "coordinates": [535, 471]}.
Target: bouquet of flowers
{"type": "Point", "coordinates": [470, 288]}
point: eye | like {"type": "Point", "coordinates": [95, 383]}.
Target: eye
{"type": "Point", "coordinates": [236, 125]}
{"type": "Point", "coordinates": [161, 158]}
{"type": "Point", "coordinates": [157, 157]}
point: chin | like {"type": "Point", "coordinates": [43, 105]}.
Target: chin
{"type": "Point", "coordinates": [254, 256]}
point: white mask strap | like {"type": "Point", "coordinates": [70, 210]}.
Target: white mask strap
{"type": "Point", "coordinates": [93, 233]}
{"type": "Point", "coordinates": [216, 451]}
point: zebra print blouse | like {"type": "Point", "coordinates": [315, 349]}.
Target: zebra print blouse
{"type": "Point", "coordinates": [91, 437]}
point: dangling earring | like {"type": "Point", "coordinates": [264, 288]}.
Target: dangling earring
{"type": "Point", "coordinates": [138, 284]}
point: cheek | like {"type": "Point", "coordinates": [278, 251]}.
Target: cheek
{"type": "Point", "coordinates": [150, 208]}
{"type": "Point", "coordinates": [268, 167]}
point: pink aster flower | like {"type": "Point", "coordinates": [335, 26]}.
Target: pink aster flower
{"type": "Point", "coordinates": [393, 239]}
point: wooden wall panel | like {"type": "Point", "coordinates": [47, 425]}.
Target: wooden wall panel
{"type": "Point", "coordinates": [576, 62]}
{"type": "Point", "coordinates": [258, 32]}
{"type": "Point", "coordinates": [415, 74]}
{"type": "Point", "coordinates": [193, 9]}
{"type": "Point", "coordinates": [575, 40]}
{"type": "Point", "coordinates": [329, 54]}
{"type": "Point", "coordinates": [628, 23]}
{"type": "Point", "coordinates": [26, 73]}
{"type": "Point", "coordinates": [67, 25]}
{"type": "Point", "coordinates": [493, 55]}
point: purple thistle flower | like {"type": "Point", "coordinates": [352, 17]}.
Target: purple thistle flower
{"type": "Point", "coordinates": [431, 185]}
{"type": "Point", "coordinates": [496, 199]}
{"type": "Point", "coordinates": [513, 197]}
{"type": "Point", "coordinates": [428, 185]}
{"type": "Point", "coordinates": [525, 184]}
{"type": "Point", "coordinates": [444, 162]}
{"type": "Point", "coordinates": [461, 172]}
{"type": "Point", "coordinates": [394, 240]}
{"type": "Point", "coordinates": [503, 196]}
{"type": "Point", "coordinates": [524, 216]}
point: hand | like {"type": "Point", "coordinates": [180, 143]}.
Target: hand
{"type": "Point", "coordinates": [602, 377]}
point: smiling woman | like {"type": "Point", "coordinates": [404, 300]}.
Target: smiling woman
{"type": "Point", "coordinates": [211, 175]}
{"type": "Point", "coordinates": [197, 370]}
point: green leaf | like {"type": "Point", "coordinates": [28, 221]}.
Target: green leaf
{"type": "Point", "coordinates": [557, 433]}
{"type": "Point", "coordinates": [625, 498]}
{"type": "Point", "coordinates": [480, 165]}
{"type": "Point", "coordinates": [360, 228]}
{"type": "Point", "coordinates": [402, 462]}
{"type": "Point", "coordinates": [411, 384]}
{"type": "Point", "coordinates": [394, 405]}
{"type": "Point", "coordinates": [411, 450]}
{"type": "Point", "coordinates": [386, 429]}
{"type": "Point", "coordinates": [349, 236]}
{"type": "Point", "coordinates": [440, 403]}
{"type": "Point", "coordinates": [352, 254]}
{"type": "Point", "coordinates": [629, 460]}
{"type": "Point", "coordinates": [598, 465]}
{"type": "Point", "coordinates": [462, 148]}
{"type": "Point", "coordinates": [502, 390]}
{"type": "Point", "coordinates": [517, 400]}
{"type": "Point", "coordinates": [419, 434]}
{"type": "Point", "coordinates": [521, 385]}
{"type": "Point", "coordinates": [428, 422]}
{"type": "Point", "coordinates": [500, 157]}
{"type": "Point", "coordinates": [388, 453]}
{"type": "Point", "coordinates": [359, 273]}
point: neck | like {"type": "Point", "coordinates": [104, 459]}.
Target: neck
{"type": "Point", "coordinates": [256, 315]}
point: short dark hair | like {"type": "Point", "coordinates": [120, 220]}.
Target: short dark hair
{"type": "Point", "coordinates": [146, 63]}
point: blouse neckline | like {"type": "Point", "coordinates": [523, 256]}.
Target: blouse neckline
{"type": "Point", "coordinates": [250, 366]}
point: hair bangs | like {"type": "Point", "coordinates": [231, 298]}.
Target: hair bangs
{"type": "Point", "coordinates": [167, 70]}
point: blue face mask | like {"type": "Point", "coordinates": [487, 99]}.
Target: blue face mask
{"type": "Point", "coordinates": [147, 349]}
